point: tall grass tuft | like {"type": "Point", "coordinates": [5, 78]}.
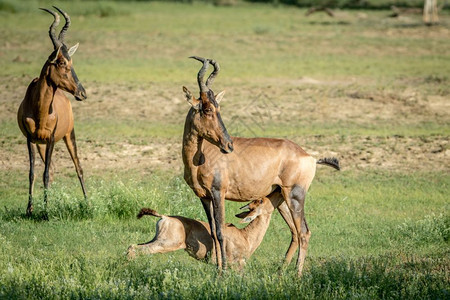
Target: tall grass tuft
{"type": "Point", "coordinates": [114, 199]}
{"type": "Point", "coordinates": [431, 229]}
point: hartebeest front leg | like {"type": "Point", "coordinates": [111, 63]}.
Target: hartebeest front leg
{"type": "Point", "coordinates": [32, 154]}
{"type": "Point", "coordinates": [209, 210]}
{"type": "Point", "coordinates": [219, 219]}
{"type": "Point", "coordinates": [41, 149]}
{"type": "Point", "coordinates": [71, 144]}
{"type": "Point", "coordinates": [48, 159]}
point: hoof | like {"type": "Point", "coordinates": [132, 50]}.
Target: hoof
{"type": "Point", "coordinates": [131, 252]}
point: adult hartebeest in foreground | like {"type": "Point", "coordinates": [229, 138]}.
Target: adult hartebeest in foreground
{"type": "Point", "coordinates": [177, 232]}
{"type": "Point", "coordinates": [218, 167]}
{"type": "Point", "coordinates": [45, 114]}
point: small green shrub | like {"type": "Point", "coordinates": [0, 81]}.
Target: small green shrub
{"type": "Point", "coordinates": [431, 229]}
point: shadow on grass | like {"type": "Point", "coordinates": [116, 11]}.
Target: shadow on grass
{"type": "Point", "coordinates": [409, 25]}
{"type": "Point", "coordinates": [19, 214]}
{"type": "Point", "coordinates": [388, 276]}
{"type": "Point", "coordinates": [329, 23]}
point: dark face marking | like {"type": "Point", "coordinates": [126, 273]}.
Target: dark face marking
{"type": "Point", "coordinates": [210, 125]}
{"type": "Point", "coordinates": [64, 76]}
{"type": "Point", "coordinates": [212, 98]}
{"type": "Point", "coordinates": [80, 94]}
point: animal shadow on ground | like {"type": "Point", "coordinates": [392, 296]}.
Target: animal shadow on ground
{"type": "Point", "coordinates": [17, 214]}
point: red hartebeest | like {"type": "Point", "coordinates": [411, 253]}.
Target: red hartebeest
{"type": "Point", "coordinates": [45, 114]}
{"type": "Point", "coordinates": [177, 232]}
{"type": "Point", "coordinates": [218, 167]}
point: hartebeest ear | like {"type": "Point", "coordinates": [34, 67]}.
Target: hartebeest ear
{"type": "Point", "coordinates": [195, 103]}
{"type": "Point", "coordinates": [220, 96]}
{"type": "Point", "coordinates": [242, 214]}
{"type": "Point", "coordinates": [73, 49]}
{"type": "Point", "coordinates": [248, 216]}
{"type": "Point", "coordinates": [53, 59]}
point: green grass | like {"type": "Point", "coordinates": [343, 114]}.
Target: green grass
{"type": "Point", "coordinates": [289, 47]}
{"type": "Point", "coordinates": [374, 236]}
{"type": "Point", "coordinates": [381, 84]}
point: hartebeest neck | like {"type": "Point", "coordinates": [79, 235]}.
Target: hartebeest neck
{"type": "Point", "coordinates": [254, 232]}
{"type": "Point", "coordinates": [42, 99]}
{"type": "Point", "coordinates": [192, 143]}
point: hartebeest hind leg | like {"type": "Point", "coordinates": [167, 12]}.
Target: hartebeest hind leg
{"type": "Point", "coordinates": [295, 199]}
{"type": "Point", "coordinates": [286, 214]}
{"type": "Point", "coordinates": [32, 155]}
{"type": "Point", "coordinates": [71, 144]}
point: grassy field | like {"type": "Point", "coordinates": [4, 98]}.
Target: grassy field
{"type": "Point", "coordinates": [371, 90]}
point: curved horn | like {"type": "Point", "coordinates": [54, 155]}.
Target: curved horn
{"type": "Point", "coordinates": [203, 87]}
{"type": "Point", "coordinates": [213, 75]}
{"type": "Point", "coordinates": [63, 31]}
{"type": "Point", "coordinates": [51, 32]}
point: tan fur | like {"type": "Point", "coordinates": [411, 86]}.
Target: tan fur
{"type": "Point", "coordinates": [218, 168]}
{"type": "Point", "coordinates": [253, 169]}
{"type": "Point", "coordinates": [176, 233]}
{"type": "Point", "coordinates": [45, 114]}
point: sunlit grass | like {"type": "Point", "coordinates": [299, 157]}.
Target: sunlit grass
{"type": "Point", "coordinates": [376, 233]}
{"type": "Point", "coordinates": [372, 234]}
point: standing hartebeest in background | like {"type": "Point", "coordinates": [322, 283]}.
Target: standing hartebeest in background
{"type": "Point", "coordinates": [177, 232]}
{"type": "Point", "coordinates": [45, 114]}
{"type": "Point", "coordinates": [430, 12]}
{"type": "Point", "coordinates": [217, 167]}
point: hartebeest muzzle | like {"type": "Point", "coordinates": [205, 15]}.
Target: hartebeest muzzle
{"type": "Point", "coordinates": [226, 143]}
{"type": "Point", "coordinates": [227, 148]}
{"type": "Point", "coordinates": [80, 93]}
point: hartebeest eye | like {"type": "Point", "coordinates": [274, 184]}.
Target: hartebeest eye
{"type": "Point", "coordinates": [208, 111]}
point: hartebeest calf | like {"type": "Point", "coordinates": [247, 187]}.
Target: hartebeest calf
{"type": "Point", "coordinates": [176, 232]}
{"type": "Point", "coordinates": [218, 167]}
{"type": "Point", "coordinates": [45, 114]}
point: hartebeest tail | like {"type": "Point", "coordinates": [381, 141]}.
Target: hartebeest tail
{"type": "Point", "coordinates": [330, 161]}
{"type": "Point", "coordinates": [148, 212]}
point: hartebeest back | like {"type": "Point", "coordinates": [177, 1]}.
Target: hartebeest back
{"type": "Point", "coordinates": [45, 114]}
{"type": "Point", "coordinates": [218, 167]}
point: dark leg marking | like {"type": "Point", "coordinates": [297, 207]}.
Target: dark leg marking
{"type": "Point", "coordinates": [207, 206]}
{"type": "Point", "coordinates": [32, 155]}
{"type": "Point", "coordinates": [48, 159]}
{"type": "Point", "coordinates": [219, 214]}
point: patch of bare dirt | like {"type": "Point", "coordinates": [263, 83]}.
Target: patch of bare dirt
{"type": "Point", "coordinates": [394, 153]}
{"type": "Point", "coordinates": [273, 104]}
